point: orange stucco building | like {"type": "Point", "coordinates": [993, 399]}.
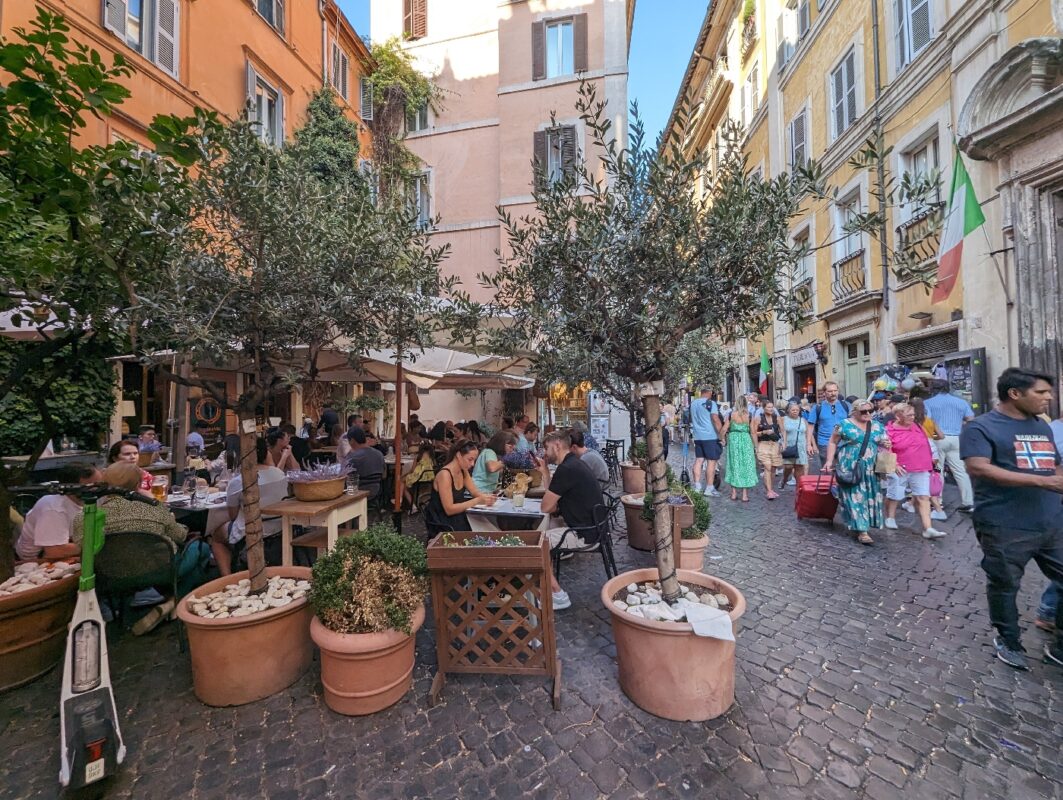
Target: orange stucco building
{"type": "Point", "coordinates": [216, 54]}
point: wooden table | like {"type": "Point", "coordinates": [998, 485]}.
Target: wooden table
{"type": "Point", "coordinates": [482, 520]}
{"type": "Point", "coordinates": [327, 514]}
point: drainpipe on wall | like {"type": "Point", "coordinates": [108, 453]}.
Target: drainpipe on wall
{"type": "Point", "coordinates": [883, 232]}
{"type": "Point", "coordinates": [324, 43]}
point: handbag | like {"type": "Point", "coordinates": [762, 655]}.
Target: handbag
{"type": "Point", "coordinates": [790, 452]}
{"type": "Point", "coordinates": [856, 475]}
{"type": "Point", "coordinates": [937, 484]}
{"type": "Point", "coordinates": [886, 462]}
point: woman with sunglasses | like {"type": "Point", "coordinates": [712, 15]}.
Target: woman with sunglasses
{"type": "Point", "coordinates": [454, 492]}
{"type": "Point", "coordinates": [857, 440]}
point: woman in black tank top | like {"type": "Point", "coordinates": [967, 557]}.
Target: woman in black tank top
{"type": "Point", "coordinates": [453, 491]}
{"type": "Point", "coordinates": [769, 447]}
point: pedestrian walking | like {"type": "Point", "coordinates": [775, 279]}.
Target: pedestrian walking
{"type": "Point", "coordinates": [823, 419]}
{"type": "Point", "coordinates": [950, 413]}
{"type": "Point", "coordinates": [794, 453]}
{"type": "Point", "coordinates": [937, 482]}
{"type": "Point", "coordinates": [914, 465]}
{"type": "Point", "coordinates": [1010, 454]}
{"type": "Point", "coordinates": [769, 449]}
{"type": "Point", "coordinates": [706, 424]}
{"type": "Point", "coordinates": [854, 447]}
{"type": "Point", "coordinates": [740, 440]}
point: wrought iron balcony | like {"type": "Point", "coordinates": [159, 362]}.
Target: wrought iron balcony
{"type": "Point", "coordinates": [850, 277]}
{"type": "Point", "coordinates": [749, 34]}
{"type": "Point", "coordinates": [804, 295]}
{"type": "Point", "coordinates": [919, 237]}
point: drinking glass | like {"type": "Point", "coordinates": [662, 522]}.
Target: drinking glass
{"type": "Point", "coordinates": [201, 491]}
{"type": "Point", "coordinates": [158, 487]}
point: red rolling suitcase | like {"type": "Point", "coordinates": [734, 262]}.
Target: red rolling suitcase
{"type": "Point", "coordinates": [814, 499]}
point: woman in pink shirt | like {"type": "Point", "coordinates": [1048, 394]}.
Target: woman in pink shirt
{"type": "Point", "coordinates": [914, 463]}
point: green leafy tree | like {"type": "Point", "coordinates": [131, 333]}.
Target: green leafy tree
{"type": "Point", "coordinates": [699, 359]}
{"type": "Point", "coordinates": [623, 259]}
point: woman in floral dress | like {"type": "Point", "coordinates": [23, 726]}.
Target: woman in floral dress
{"type": "Point", "coordinates": [861, 504]}
{"type": "Point", "coordinates": [741, 441]}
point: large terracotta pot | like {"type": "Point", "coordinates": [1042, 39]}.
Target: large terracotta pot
{"type": "Point", "coordinates": [634, 478]}
{"type": "Point", "coordinates": [666, 669]}
{"type": "Point", "coordinates": [33, 628]}
{"type": "Point", "coordinates": [363, 673]}
{"type": "Point", "coordinates": [692, 553]}
{"type": "Point", "coordinates": [639, 530]}
{"type": "Point", "coordinates": [243, 659]}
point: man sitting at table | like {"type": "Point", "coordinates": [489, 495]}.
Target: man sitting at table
{"type": "Point", "coordinates": [573, 492]}
{"type": "Point", "coordinates": [147, 442]}
{"type": "Point", "coordinates": [366, 461]}
{"type": "Point", "coordinates": [227, 541]}
{"type": "Point", "coordinates": [592, 458]}
{"type": "Point", "coordinates": [46, 531]}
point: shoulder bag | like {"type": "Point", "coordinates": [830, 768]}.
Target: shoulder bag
{"type": "Point", "coordinates": [855, 476]}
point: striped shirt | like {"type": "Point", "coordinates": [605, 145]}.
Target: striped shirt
{"type": "Point", "coordinates": [949, 412]}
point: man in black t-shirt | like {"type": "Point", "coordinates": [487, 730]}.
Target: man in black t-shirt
{"type": "Point", "coordinates": [573, 492]}
{"type": "Point", "coordinates": [1011, 457]}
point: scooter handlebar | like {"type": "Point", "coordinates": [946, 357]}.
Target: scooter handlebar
{"type": "Point", "coordinates": [85, 491]}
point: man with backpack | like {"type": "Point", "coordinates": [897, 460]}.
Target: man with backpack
{"type": "Point", "coordinates": [823, 418]}
{"type": "Point", "coordinates": [705, 424]}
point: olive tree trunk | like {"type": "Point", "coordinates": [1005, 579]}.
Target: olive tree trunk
{"type": "Point", "coordinates": [249, 497]}
{"type": "Point", "coordinates": [656, 477]}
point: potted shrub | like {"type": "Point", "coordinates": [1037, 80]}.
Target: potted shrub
{"type": "Point", "coordinates": [633, 471]}
{"type": "Point", "coordinates": [694, 538]}
{"type": "Point", "coordinates": [639, 521]}
{"type": "Point", "coordinates": [368, 600]}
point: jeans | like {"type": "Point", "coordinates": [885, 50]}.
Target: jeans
{"type": "Point", "coordinates": [949, 447]}
{"type": "Point", "coordinates": [1050, 601]}
{"type": "Point", "coordinates": [1005, 554]}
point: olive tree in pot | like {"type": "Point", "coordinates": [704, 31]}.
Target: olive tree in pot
{"type": "Point", "coordinates": [630, 227]}
{"type": "Point", "coordinates": [368, 599]}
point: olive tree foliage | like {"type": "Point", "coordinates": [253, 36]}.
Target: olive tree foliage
{"type": "Point", "coordinates": [625, 256]}
{"type": "Point", "coordinates": [699, 359]}
{"type": "Point", "coordinates": [287, 257]}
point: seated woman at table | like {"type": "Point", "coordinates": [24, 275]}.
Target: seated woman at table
{"type": "Point", "coordinates": [423, 471]}
{"type": "Point", "coordinates": [438, 437]}
{"type": "Point", "coordinates": [475, 434]}
{"type": "Point", "coordinates": [48, 525]}
{"type": "Point", "coordinates": [127, 451]}
{"type": "Point", "coordinates": [453, 491]}
{"type": "Point", "coordinates": [124, 515]}
{"type": "Point", "coordinates": [489, 466]}
{"type": "Point", "coordinates": [279, 450]}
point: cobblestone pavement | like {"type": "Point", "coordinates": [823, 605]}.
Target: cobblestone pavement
{"type": "Point", "coordinates": [862, 672]}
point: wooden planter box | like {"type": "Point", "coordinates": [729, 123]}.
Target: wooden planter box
{"type": "Point", "coordinates": [493, 609]}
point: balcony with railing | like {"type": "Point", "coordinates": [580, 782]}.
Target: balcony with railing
{"type": "Point", "coordinates": [749, 34]}
{"type": "Point", "coordinates": [919, 237]}
{"type": "Point", "coordinates": [804, 295]}
{"type": "Point", "coordinates": [714, 84]}
{"type": "Point", "coordinates": [850, 278]}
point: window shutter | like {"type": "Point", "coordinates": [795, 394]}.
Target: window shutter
{"type": "Point", "coordinates": [901, 33]}
{"type": "Point", "coordinates": [920, 24]}
{"type": "Point", "coordinates": [797, 140]}
{"type": "Point", "coordinates": [782, 54]}
{"type": "Point", "coordinates": [420, 19]}
{"type": "Point", "coordinates": [278, 11]}
{"type": "Point", "coordinates": [850, 96]}
{"type": "Point", "coordinates": [166, 27]}
{"type": "Point", "coordinates": [407, 17]}
{"type": "Point", "coordinates": [754, 88]}
{"type": "Point", "coordinates": [114, 16]}
{"type": "Point", "coordinates": [804, 18]}
{"type": "Point", "coordinates": [251, 80]}
{"type": "Point", "coordinates": [742, 102]}
{"type": "Point", "coordinates": [281, 123]}
{"type": "Point", "coordinates": [539, 159]}
{"type": "Point", "coordinates": [365, 90]}
{"type": "Point", "coordinates": [579, 42]}
{"type": "Point", "coordinates": [345, 69]}
{"type": "Point", "coordinates": [569, 150]}
{"type": "Point", "coordinates": [839, 101]}
{"type": "Point", "coordinates": [538, 50]}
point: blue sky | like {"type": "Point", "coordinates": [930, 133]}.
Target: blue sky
{"type": "Point", "coordinates": [660, 49]}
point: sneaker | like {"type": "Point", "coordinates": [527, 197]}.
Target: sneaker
{"type": "Point", "coordinates": [711, 491]}
{"type": "Point", "coordinates": [1010, 656]}
{"type": "Point", "coordinates": [907, 506]}
{"type": "Point", "coordinates": [146, 597]}
{"type": "Point", "coordinates": [940, 516]}
{"type": "Point", "coordinates": [891, 523]}
{"type": "Point", "coordinates": [151, 620]}
{"type": "Point", "coordinates": [1047, 625]}
{"type": "Point", "coordinates": [792, 481]}
{"type": "Point", "coordinates": [1054, 654]}
{"type": "Point", "coordinates": [930, 533]}
{"type": "Point", "coordinates": [965, 509]}
{"type": "Point", "coordinates": [561, 600]}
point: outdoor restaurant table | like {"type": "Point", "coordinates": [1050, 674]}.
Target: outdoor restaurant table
{"type": "Point", "coordinates": [328, 514]}
{"type": "Point", "coordinates": [160, 468]}
{"type": "Point", "coordinates": [483, 519]}
{"type": "Point", "coordinates": [407, 462]}
{"type": "Point", "coordinates": [203, 517]}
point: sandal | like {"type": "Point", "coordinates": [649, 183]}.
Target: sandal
{"type": "Point", "coordinates": [745, 499]}
{"type": "Point", "coordinates": [864, 538]}
{"type": "Point", "coordinates": [734, 497]}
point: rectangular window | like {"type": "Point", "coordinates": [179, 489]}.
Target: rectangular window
{"type": "Point", "coordinates": [420, 199]}
{"type": "Point", "coordinates": [415, 18]}
{"type": "Point", "coordinates": [555, 153]}
{"type": "Point", "coordinates": [417, 120]}
{"type": "Point", "coordinates": [804, 18]}
{"type": "Point", "coordinates": [340, 70]}
{"type": "Point", "coordinates": [920, 162]}
{"type": "Point", "coordinates": [846, 241]}
{"type": "Point", "coordinates": [913, 28]}
{"type": "Point", "coordinates": [798, 141]}
{"type": "Point", "coordinates": [559, 53]}
{"type": "Point", "coordinates": [843, 93]}
{"type": "Point", "coordinates": [559, 47]}
{"type": "Point", "coordinates": [148, 26]}
{"type": "Point", "coordinates": [273, 12]}
{"type": "Point", "coordinates": [134, 25]}
{"type": "Point", "coordinates": [265, 108]}
{"type": "Point", "coordinates": [806, 263]}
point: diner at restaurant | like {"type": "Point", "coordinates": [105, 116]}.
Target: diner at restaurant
{"type": "Point", "coordinates": [454, 492]}
{"type": "Point", "coordinates": [366, 461]}
{"type": "Point", "coordinates": [48, 527]}
{"type": "Point", "coordinates": [488, 468]}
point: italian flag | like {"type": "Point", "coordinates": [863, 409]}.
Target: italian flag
{"type": "Point", "coordinates": [963, 215]}
{"type": "Point", "coordinates": [765, 368]}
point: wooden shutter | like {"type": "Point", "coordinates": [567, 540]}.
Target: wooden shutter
{"type": "Point", "coordinates": [782, 52]}
{"type": "Point", "coordinates": [166, 27]}
{"type": "Point", "coordinates": [569, 149]}
{"type": "Point", "coordinates": [340, 70]}
{"type": "Point", "coordinates": [850, 89]}
{"type": "Point", "coordinates": [539, 157]}
{"type": "Point", "coordinates": [281, 122]}
{"type": "Point", "coordinates": [920, 25]}
{"type": "Point", "coordinates": [250, 80]}
{"type": "Point", "coordinates": [797, 140]}
{"type": "Point", "coordinates": [365, 105]}
{"type": "Point", "coordinates": [407, 17]}
{"type": "Point", "coordinates": [579, 42]}
{"type": "Point", "coordinates": [278, 13]}
{"type": "Point", "coordinates": [754, 89]}
{"type": "Point", "coordinates": [114, 16]}
{"type": "Point", "coordinates": [804, 18]}
{"type": "Point", "coordinates": [420, 19]}
{"type": "Point", "coordinates": [538, 50]}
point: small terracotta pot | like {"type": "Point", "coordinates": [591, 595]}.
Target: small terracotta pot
{"type": "Point", "coordinates": [692, 553]}
{"type": "Point", "coordinates": [664, 668]}
{"type": "Point", "coordinates": [639, 530]}
{"type": "Point", "coordinates": [634, 478]}
{"type": "Point", "coordinates": [363, 673]}
{"type": "Point", "coordinates": [33, 630]}
{"type": "Point", "coordinates": [239, 660]}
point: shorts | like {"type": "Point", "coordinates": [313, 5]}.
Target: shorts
{"type": "Point", "coordinates": [768, 454]}
{"type": "Point", "coordinates": [710, 449]}
{"type": "Point", "coordinates": [916, 482]}
{"type": "Point", "coordinates": [572, 541]}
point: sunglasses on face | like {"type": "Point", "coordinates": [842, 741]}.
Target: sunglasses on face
{"type": "Point", "coordinates": [863, 411]}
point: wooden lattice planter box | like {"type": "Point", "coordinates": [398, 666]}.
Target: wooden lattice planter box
{"type": "Point", "coordinates": [493, 609]}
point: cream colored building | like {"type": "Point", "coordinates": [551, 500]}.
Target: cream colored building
{"type": "Point", "coordinates": [814, 79]}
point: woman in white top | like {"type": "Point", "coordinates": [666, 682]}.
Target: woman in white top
{"type": "Point", "coordinates": [46, 531]}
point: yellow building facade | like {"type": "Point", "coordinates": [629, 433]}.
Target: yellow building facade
{"type": "Point", "coordinates": [815, 80]}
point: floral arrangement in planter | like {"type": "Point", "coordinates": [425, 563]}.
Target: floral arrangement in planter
{"type": "Point", "coordinates": [508, 540]}
{"type": "Point", "coordinates": [324, 472]}
{"type": "Point", "coordinates": [370, 582]}
{"type": "Point", "coordinates": [324, 482]}
{"type": "Point", "coordinates": [518, 460]}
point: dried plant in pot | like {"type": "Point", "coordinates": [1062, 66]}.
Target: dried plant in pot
{"type": "Point", "coordinates": [368, 599]}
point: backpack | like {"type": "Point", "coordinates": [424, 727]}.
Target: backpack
{"type": "Point", "coordinates": [194, 566]}
{"type": "Point", "coordinates": [819, 415]}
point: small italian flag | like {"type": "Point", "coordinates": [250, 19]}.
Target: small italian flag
{"type": "Point", "coordinates": [765, 368]}
{"type": "Point", "coordinates": [963, 215]}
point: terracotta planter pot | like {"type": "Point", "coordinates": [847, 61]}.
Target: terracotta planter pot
{"type": "Point", "coordinates": [666, 669]}
{"type": "Point", "coordinates": [692, 553]}
{"type": "Point", "coordinates": [243, 659]}
{"type": "Point", "coordinates": [634, 478]}
{"type": "Point", "coordinates": [363, 673]}
{"type": "Point", "coordinates": [639, 530]}
{"type": "Point", "coordinates": [33, 630]}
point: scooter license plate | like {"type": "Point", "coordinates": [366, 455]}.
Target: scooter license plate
{"type": "Point", "coordinates": [95, 770]}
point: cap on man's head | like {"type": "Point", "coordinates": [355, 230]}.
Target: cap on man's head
{"type": "Point", "coordinates": [706, 390]}
{"type": "Point", "coordinates": [879, 395]}
{"type": "Point", "coordinates": [356, 435]}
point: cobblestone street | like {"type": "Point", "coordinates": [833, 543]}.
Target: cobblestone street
{"type": "Point", "coordinates": [862, 672]}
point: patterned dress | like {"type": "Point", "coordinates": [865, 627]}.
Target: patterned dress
{"type": "Point", "coordinates": [861, 504]}
{"type": "Point", "coordinates": [741, 460]}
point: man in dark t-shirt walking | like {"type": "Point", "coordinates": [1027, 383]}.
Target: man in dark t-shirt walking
{"type": "Point", "coordinates": [1010, 455]}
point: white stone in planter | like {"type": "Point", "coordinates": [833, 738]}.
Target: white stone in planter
{"type": "Point", "coordinates": [31, 575]}
{"type": "Point", "coordinates": [236, 599]}
{"type": "Point", "coordinates": [621, 605]}
{"type": "Point", "coordinates": [632, 587]}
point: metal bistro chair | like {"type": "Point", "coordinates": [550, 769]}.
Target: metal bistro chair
{"type": "Point", "coordinates": [612, 460]}
{"type": "Point", "coordinates": [600, 528]}
{"type": "Point", "coordinates": [612, 504]}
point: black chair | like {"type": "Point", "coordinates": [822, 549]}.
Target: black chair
{"type": "Point", "coordinates": [374, 484]}
{"type": "Point", "coordinates": [617, 445]}
{"type": "Point", "coordinates": [612, 504]}
{"type": "Point", "coordinates": [131, 561]}
{"type": "Point", "coordinates": [434, 524]}
{"type": "Point", "coordinates": [604, 544]}
{"type": "Point", "coordinates": [612, 460]}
